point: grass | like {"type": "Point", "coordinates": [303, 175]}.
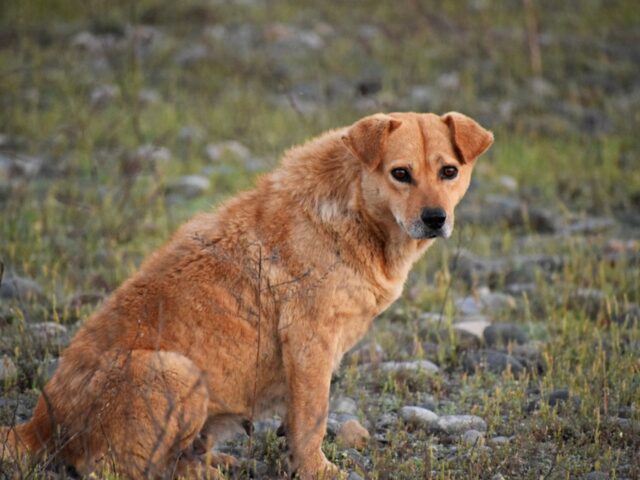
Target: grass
{"type": "Point", "coordinates": [98, 206]}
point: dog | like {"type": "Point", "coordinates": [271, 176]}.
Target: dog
{"type": "Point", "coordinates": [247, 311]}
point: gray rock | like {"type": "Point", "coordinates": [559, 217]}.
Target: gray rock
{"type": "Point", "coordinates": [368, 353]}
{"type": "Point", "coordinates": [189, 186]}
{"type": "Point", "coordinates": [50, 332]}
{"type": "Point", "coordinates": [590, 226]}
{"type": "Point", "coordinates": [231, 148]}
{"type": "Point", "coordinates": [153, 154]}
{"type": "Point", "coordinates": [344, 405]}
{"type": "Point", "coordinates": [497, 476]}
{"type": "Point", "coordinates": [458, 424]}
{"type": "Point", "coordinates": [474, 328]}
{"type": "Point", "coordinates": [560, 398]}
{"type": "Point", "coordinates": [416, 365]}
{"type": "Point", "coordinates": [494, 302]}
{"type": "Point", "coordinates": [499, 441]}
{"type": "Point", "coordinates": [468, 306]}
{"type": "Point", "coordinates": [20, 288]}
{"type": "Point", "coordinates": [354, 476]}
{"type": "Point", "coordinates": [8, 370]}
{"type": "Point", "coordinates": [19, 166]}
{"type": "Point", "coordinates": [491, 360]}
{"type": "Point", "coordinates": [596, 476]}
{"type": "Point", "coordinates": [504, 334]}
{"type": "Point", "coordinates": [191, 55]}
{"type": "Point", "coordinates": [420, 417]}
{"type": "Point", "coordinates": [473, 438]}
{"type": "Point", "coordinates": [104, 95]}
{"type": "Point", "coordinates": [386, 420]}
{"type": "Point", "coordinates": [531, 357]}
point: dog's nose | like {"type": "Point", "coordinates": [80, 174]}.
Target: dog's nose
{"type": "Point", "coordinates": [433, 218]}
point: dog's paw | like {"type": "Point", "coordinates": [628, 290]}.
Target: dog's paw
{"type": "Point", "coordinates": [323, 469]}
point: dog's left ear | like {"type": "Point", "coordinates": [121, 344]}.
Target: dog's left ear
{"type": "Point", "coordinates": [367, 138]}
{"type": "Point", "coordinates": [469, 138]}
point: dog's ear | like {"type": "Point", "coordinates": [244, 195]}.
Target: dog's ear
{"type": "Point", "coordinates": [469, 138]}
{"type": "Point", "coordinates": [367, 138]}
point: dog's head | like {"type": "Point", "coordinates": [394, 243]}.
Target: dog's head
{"type": "Point", "coordinates": [416, 167]}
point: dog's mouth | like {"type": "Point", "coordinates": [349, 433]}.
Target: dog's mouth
{"type": "Point", "coordinates": [419, 231]}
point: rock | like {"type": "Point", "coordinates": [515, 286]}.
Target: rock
{"type": "Point", "coordinates": [352, 435]}
{"type": "Point", "coordinates": [474, 328]}
{"type": "Point", "coordinates": [590, 226]}
{"type": "Point", "coordinates": [499, 441]}
{"type": "Point", "coordinates": [344, 405]}
{"type": "Point", "coordinates": [504, 334]}
{"type": "Point", "coordinates": [458, 424]}
{"type": "Point", "coordinates": [420, 417]}
{"type": "Point", "coordinates": [257, 468]}
{"type": "Point", "coordinates": [416, 365]}
{"type": "Point", "coordinates": [153, 154]}
{"type": "Point", "coordinates": [595, 475]}
{"type": "Point", "coordinates": [103, 95]}
{"type": "Point", "coordinates": [19, 166]}
{"type": "Point", "coordinates": [473, 438]}
{"type": "Point", "coordinates": [588, 300]}
{"type": "Point", "coordinates": [191, 55]}
{"type": "Point", "coordinates": [20, 288]}
{"type": "Point", "coordinates": [508, 182]}
{"type": "Point", "coordinates": [629, 317]}
{"type": "Point", "coordinates": [189, 186]}
{"type": "Point", "coordinates": [494, 302]}
{"type": "Point", "coordinates": [491, 360]}
{"type": "Point", "coordinates": [559, 398]}
{"type": "Point", "coordinates": [219, 151]}
{"type": "Point", "coordinates": [49, 367]}
{"type": "Point", "coordinates": [354, 476]}
{"type": "Point", "coordinates": [50, 332]}
{"type": "Point", "coordinates": [370, 352]}
{"type": "Point", "coordinates": [530, 357]}
{"type": "Point", "coordinates": [386, 420]}
{"type": "Point", "coordinates": [190, 134]}
{"type": "Point", "coordinates": [497, 476]}
{"type": "Point", "coordinates": [147, 97]}
{"type": "Point", "coordinates": [468, 306]}
{"type": "Point", "coordinates": [8, 370]}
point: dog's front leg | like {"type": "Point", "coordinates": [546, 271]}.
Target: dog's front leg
{"type": "Point", "coordinates": [308, 361]}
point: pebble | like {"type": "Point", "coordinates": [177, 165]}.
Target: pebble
{"type": "Point", "coordinates": [386, 420]}
{"type": "Point", "coordinates": [492, 361]}
{"type": "Point", "coordinates": [49, 332]}
{"type": "Point", "coordinates": [473, 438]}
{"type": "Point", "coordinates": [189, 186]}
{"type": "Point", "coordinates": [458, 424]}
{"type": "Point", "coordinates": [418, 416]}
{"type": "Point", "coordinates": [504, 334]}
{"type": "Point", "coordinates": [218, 151]}
{"type": "Point", "coordinates": [596, 475]}
{"type": "Point", "coordinates": [499, 441]}
{"type": "Point", "coordinates": [8, 370]}
{"type": "Point", "coordinates": [103, 95]}
{"type": "Point", "coordinates": [354, 476]}
{"type": "Point", "coordinates": [590, 226]}
{"type": "Point", "coordinates": [352, 435]}
{"type": "Point", "coordinates": [344, 405]}
{"type": "Point", "coordinates": [20, 288]}
{"type": "Point", "coordinates": [475, 327]}
{"type": "Point", "coordinates": [416, 365]}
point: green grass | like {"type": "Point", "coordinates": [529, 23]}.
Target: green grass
{"type": "Point", "coordinates": [96, 209]}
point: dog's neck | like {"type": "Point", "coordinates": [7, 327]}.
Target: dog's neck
{"type": "Point", "coordinates": [324, 178]}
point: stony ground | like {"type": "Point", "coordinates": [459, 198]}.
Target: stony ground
{"type": "Point", "coordinates": [514, 352]}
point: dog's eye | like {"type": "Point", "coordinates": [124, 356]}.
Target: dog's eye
{"type": "Point", "coordinates": [401, 175]}
{"type": "Point", "coordinates": [448, 172]}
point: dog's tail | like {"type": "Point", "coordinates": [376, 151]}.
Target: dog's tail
{"type": "Point", "coordinates": [27, 440]}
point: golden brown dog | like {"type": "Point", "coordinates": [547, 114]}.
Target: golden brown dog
{"type": "Point", "coordinates": [249, 310]}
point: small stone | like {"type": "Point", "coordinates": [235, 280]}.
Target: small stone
{"type": "Point", "coordinates": [153, 154]}
{"type": "Point", "coordinates": [352, 435]}
{"type": "Point", "coordinates": [103, 95]}
{"type": "Point", "coordinates": [473, 438]}
{"type": "Point", "coordinates": [468, 306]}
{"type": "Point", "coordinates": [218, 151]}
{"type": "Point", "coordinates": [417, 365]}
{"type": "Point", "coordinates": [590, 226]}
{"type": "Point", "coordinates": [494, 302]}
{"type": "Point", "coordinates": [497, 476]}
{"type": "Point", "coordinates": [475, 328]}
{"type": "Point", "coordinates": [499, 441]}
{"type": "Point", "coordinates": [20, 288]}
{"type": "Point", "coordinates": [344, 405]}
{"type": "Point", "coordinates": [191, 55]}
{"type": "Point", "coordinates": [458, 424]}
{"type": "Point", "coordinates": [508, 182]}
{"type": "Point", "coordinates": [354, 476]}
{"type": "Point", "coordinates": [8, 370]}
{"type": "Point", "coordinates": [386, 420]}
{"type": "Point", "coordinates": [370, 352]}
{"type": "Point", "coordinates": [596, 476]}
{"type": "Point", "coordinates": [147, 96]}
{"type": "Point", "coordinates": [418, 416]}
{"type": "Point", "coordinates": [189, 186]}
{"type": "Point", "coordinates": [492, 361]}
{"type": "Point", "coordinates": [504, 334]}
{"type": "Point", "coordinates": [49, 332]}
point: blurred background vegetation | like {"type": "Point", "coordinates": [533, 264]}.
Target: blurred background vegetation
{"type": "Point", "coordinates": [120, 119]}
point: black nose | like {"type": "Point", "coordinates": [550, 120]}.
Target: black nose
{"type": "Point", "coordinates": [433, 218]}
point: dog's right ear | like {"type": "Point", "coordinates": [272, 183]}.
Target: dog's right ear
{"type": "Point", "coordinates": [367, 138]}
